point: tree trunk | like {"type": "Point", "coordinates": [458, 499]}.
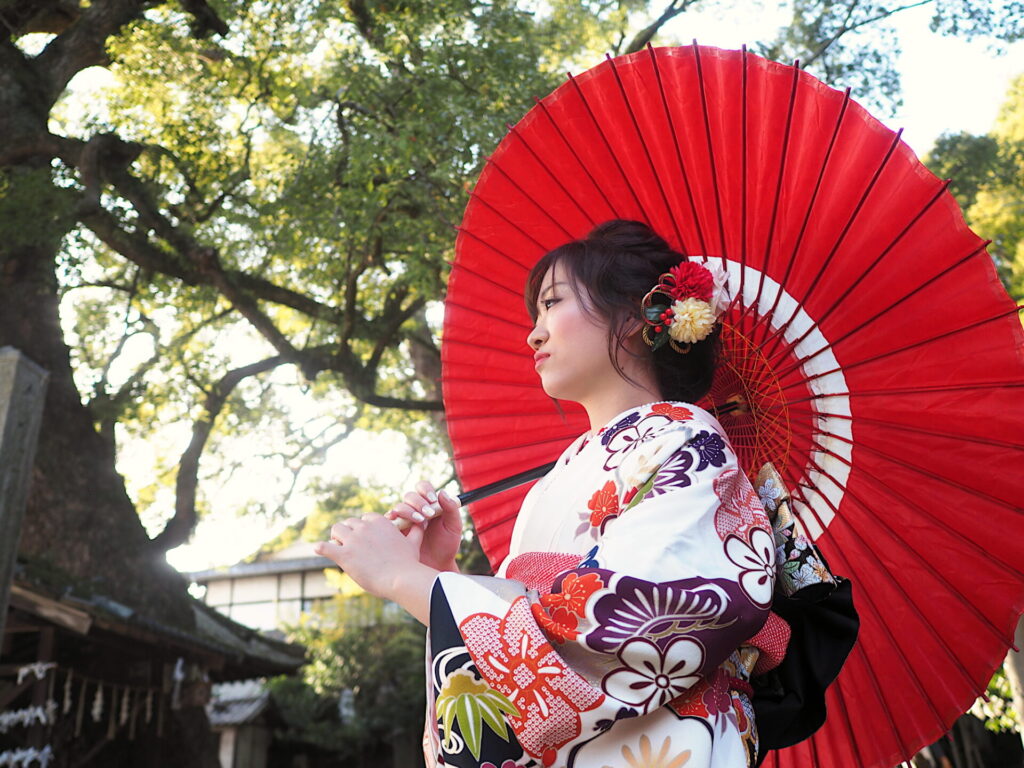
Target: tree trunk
{"type": "Point", "coordinates": [79, 519]}
{"type": "Point", "coordinates": [1014, 667]}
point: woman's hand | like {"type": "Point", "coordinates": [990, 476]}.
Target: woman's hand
{"type": "Point", "coordinates": [382, 560]}
{"type": "Point", "coordinates": [438, 515]}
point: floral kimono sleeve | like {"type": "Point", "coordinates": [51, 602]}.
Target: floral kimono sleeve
{"type": "Point", "coordinates": [564, 650]}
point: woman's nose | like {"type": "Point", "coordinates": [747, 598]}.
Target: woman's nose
{"type": "Point", "coordinates": [536, 337]}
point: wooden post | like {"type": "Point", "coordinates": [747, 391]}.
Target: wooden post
{"type": "Point", "coordinates": [22, 389]}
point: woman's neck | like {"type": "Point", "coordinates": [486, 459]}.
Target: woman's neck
{"type": "Point", "coordinates": [602, 410]}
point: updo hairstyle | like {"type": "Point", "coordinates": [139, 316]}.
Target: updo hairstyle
{"type": "Point", "coordinates": [610, 271]}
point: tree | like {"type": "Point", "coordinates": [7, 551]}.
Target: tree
{"type": "Point", "coordinates": [988, 181]}
{"type": "Point", "coordinates": [261, 205]}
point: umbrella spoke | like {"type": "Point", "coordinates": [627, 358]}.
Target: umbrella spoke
{"type": "Point", "coordinates": [543, 210]}
{"type": "Point", "coordinates": [914, 345]}
{"type": "Point", "coordinates": [866, 596]}
{"type": "Point", "coordinates": [929, 474]}
{"type": "Point", "coordinates": [881, 313]}
{"type": "Point", "coordinates": [854, 576]}
{"type": "Point", "coordinates": [711, 149]}
{"type": "Point", "coordinates": [847, 292]}
{"type": "Point", "coordinates": [879, 520]}
{"type": "Point", "coordinates": [607, 145]}
{"type": "Point", "coordinates": [541, 248]}
{"type": "Point", "coordinates": [679, 158]}
{"type": "Point", "coordinates": [584, 168]}
{"type": "Point", "coordinates": [493, 248]}
{"type": "Point", "coordinates": [807, 213]}
{"type": "Point", "coordinates": [643, 143]}
{"type": "Point", "coordinates": [921, 390]}
{"type": "Point", "coordinates": [816, 281]}
{"type": "Point", "coordinates": [770, 239]}
{"type": "Point", "coordinates": [513, 131]}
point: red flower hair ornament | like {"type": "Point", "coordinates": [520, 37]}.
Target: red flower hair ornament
{"type": "Point", "coordinates": [685, 306]}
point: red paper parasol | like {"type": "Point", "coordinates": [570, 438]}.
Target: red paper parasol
{"type": "Point", "coordinates": [872, 355]}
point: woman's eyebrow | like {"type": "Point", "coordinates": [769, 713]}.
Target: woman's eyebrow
{"type": "Point", "coordinates": [550, 287]}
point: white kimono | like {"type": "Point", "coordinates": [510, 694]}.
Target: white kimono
{"type": "Point", "coordinates": [614, 635]}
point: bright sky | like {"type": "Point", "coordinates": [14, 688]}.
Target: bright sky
{"type": "Point", "coordinates": [948, 86]}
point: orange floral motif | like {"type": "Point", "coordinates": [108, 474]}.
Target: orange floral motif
{"type": "Point", "coordinates": [557, 623]}
{"type": "Point", "coordinates": [675, 412]}
{"type": "Point", "coordinates": [516, 659]}
{"type": "Point", "coordinates": [603, 505]}
{"type": "Point", "coordinates": [574, 592]}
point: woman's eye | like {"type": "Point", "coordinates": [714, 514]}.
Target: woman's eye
{"type": "Point", "coordinates": [548, 303]}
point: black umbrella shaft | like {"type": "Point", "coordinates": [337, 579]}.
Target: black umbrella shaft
{"type": "Point", "coordinates": [532, 474]}
{"type": "Point", "coordinates": [503, 485]}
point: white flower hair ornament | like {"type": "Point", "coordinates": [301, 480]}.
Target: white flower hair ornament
{"type": "Point", "coordinates": [685, 306]}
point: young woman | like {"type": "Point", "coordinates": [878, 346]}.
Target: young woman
{"type": "Point", "coordinates": [616, 632]}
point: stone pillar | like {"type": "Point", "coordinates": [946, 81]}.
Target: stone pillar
{"type": "Point", "coordinates": [22, 390]}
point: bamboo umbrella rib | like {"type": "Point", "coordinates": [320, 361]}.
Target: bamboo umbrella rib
{"type": "Point", "coordinates": [514, 131]}
{"type": "Point", "coordinates": [930, 475]}
{"type": "Point", "coordinates": [744, 73]}
{"type": "Point", "coordinates": [520, 446]}
{"type": "Point", "coordinates": [867, 272]}
{"type": "Point", "coordinates": [607, 145]}
{"type": "Point", "coordinates": [908, 391]}
{"type": "Point", "coordinates": [583, 167]}
{"type": "Point", "coordinates": [810, 208]}
{"type": "Point", "coordinates": [817, 322]}
{"type": "Point", "coordinates": [678, 155]}
{"type": "Point", "coordinates": [493, 248]}
{"type": "Point", "coordinates": [542, 209]}
{"type": "Point", "coordinates": [854, 575]}
{"type": "Point", "coordinates": [866, 597]}
{"type": "Point", "coordinates": [881, 313]}
{"type": "Point", "coordinates": [490, 316]}
{"type": "Point", "coordinates": [643, 144]}
{"type": "Point", "coordinates": [711, 149]}
{"type": "Point", "coordinates": [921, 431]}
{"type": "Point", "coordinates": [850, 733]}
{"type": "Point", "coordinates": [493, 209]}
{"type": "Point", "coordinates": [827, 261]}
{"type": "Point", "coordinates": [880, 520]}
{"type": "Point", "coordinates": [773, 220]}
{"type": "Point", "coordinates": [892, 580]}
{"type": "Point", "coordinates": [905, 348]}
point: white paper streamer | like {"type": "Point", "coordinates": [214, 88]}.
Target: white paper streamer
{"type": "Point", "coordinates": [28, 716]}
{"type": "Point", "coordinates": [97, 705]}
{"type": "Point", "coordinates": [23, 758]}
{"type": "Point", "coordinates": [37, 668]}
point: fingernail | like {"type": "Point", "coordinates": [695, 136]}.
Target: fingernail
{"type": "Point", "coordinates": [395, 521]}
{"type": "Point", "coordinates": [445, 495]}
{"type": "Point", "coordinates": [417, 516]}
{"type": "Point", "coordinates": [432, 496]}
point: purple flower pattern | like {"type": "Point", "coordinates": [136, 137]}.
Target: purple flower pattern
{"type": "Point", "coordinates": [710, 448]}
{"type": "Point", "coordinates": [660, 611]}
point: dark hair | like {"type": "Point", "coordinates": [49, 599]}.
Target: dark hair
{"type": "Point", "coordinates": [616, 264]}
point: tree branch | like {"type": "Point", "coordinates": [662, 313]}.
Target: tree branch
{"type": "Point", "coordinates": [179, 528]}
{"type": "Point", "coordinates": [847, 27]}
{"type": "Point", "coordinates": [645, 35]}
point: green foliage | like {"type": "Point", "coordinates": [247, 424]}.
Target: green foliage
{"type": "Point", "coordinates": [33, 211]}
{"type": "Point", "coordinates": [992, 189]}
{"type": "Point", "coordinates": [376, 667]}
{"type": "Point", "coordinates": [997, 711]}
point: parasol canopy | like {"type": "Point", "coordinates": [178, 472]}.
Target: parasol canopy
{"type": "Point", "coordinates": [872, 354]}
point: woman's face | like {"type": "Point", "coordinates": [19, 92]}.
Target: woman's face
{"type": "Point", "coordinates": [570, 345]}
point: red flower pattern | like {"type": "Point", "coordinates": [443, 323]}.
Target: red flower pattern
{"type": "Point", "coordinates": [515, 658]}
{"type": "Point", "coordinates": [674, 412]}
{"type": "Point", "coordinates": [574, 592]}
{"type": "Point", "coordinates": [603, 505]}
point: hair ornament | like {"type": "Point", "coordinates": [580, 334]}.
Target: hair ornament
{"type": "Point", "coordinates": [685, 306]}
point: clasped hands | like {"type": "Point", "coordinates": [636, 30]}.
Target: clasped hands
{"type": "Point", "coordinates": [400, 565]}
